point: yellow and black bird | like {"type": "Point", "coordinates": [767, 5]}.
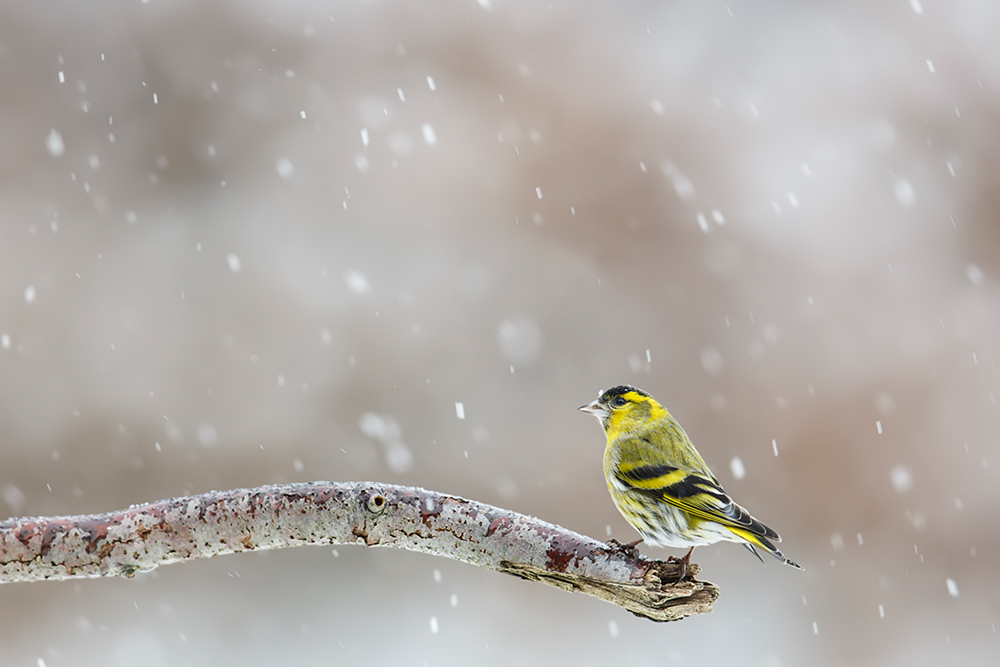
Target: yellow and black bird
{"type": "Point", "coordinates": [660, 483]}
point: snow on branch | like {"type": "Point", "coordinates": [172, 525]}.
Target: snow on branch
{"type": "Point", "coordinates": [144, 537]}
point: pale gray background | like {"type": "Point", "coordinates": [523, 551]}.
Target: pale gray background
{"type": "Point", "coordinates": [219, 295]}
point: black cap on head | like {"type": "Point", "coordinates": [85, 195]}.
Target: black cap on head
{"type": "Point", "coordinates": [621, 390]}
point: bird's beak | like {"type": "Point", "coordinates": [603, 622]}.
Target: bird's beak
{"type": "Point", "coordinates": [595, 408]}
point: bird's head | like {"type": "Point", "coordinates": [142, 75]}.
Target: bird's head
{"type": "Point", "coordinates": [623, 408]}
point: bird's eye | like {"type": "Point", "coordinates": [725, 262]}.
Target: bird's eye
{"type": "Point", "coordinates": [618, 401]}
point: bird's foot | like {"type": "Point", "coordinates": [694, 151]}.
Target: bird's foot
{"type": "Point", "coordinates": [683, 562]}
{"type": "Point", "coordinates": [628, 549]}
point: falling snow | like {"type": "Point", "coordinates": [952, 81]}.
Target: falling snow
{"type": "Point", "coordinates": [14, 497]}
{"type": "Point", "coordinates": [357, 282]}
{"type": "Point", "coordinates": [54, 144]}
{"type": "Point", "coordinates": [386, 431]}
{"type": "Point", "coordinates": [711, 360]}
{"type": "Point", "coordinates": [682, 184]}
{"type": "Point", "coordinates": [285, 168]}
{"type": "Point", "coordinates": [520, 340]}
{"type": "Point", "coordinates": [207, 435]}
{"type": "Point", "coordinates": [901, 478]}
{"type": "Point", "coordinates": [126, 229]}
{"type": "Point", "coordinates": [905, 194]}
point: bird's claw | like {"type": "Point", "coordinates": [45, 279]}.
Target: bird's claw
{"type": "Point", "coordinates": [628, 549]}
{"type": "Point", "coordinates": [683, 563]}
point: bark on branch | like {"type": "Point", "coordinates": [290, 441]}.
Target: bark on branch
{"type": "Point", "coordinates": [144, 537]}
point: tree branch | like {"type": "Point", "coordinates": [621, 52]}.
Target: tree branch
{"type": "Point", "coordinates": [144, 537]}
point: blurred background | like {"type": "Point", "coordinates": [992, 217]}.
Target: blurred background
{"type": "Point", "coordinates": [245, 243]}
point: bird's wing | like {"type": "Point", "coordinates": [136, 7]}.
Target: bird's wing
{"type": "Point", "coordinates": [699, 495]}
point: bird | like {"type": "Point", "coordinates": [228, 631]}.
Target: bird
{"type": "Point", "coordinates": [662, 486]}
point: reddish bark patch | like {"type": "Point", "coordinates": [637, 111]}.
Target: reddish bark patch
{"type": "Point", "coordinates": [558, 560]}
{"type": "Point", "coordinates": [403, 498]}
{"type": "Point", "coordinates": [496, 524]}
{"type": "Point", "coordinates": [51, 531]}
{"type": "Point", "coordinates": [26, 532]}
{"type": "Point", "coordinates": [295, 495]}
{"type": "Point", "coordinates": [564, 550]}
{"type": "Point", "coordinates": [426, 514]}
{"type": "Point", "coordinates": [324, 496]}
{"type": "Point", "coordinates": [155, 512]}
{"type": "Point", "coordinates": [96, 529]}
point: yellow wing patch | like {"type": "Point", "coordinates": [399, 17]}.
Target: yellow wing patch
{"type": "Point", "coordinates": [668, 477]}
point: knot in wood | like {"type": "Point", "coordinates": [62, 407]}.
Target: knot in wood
{"type": "Point", "coordinates": [377, 503]}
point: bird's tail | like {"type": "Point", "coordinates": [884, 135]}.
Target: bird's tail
{"type": "Point", "coordinates": [751, 540]}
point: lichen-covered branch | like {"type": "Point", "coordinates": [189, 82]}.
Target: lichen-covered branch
{"type": "Point", "coordinates": [144, 537]}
